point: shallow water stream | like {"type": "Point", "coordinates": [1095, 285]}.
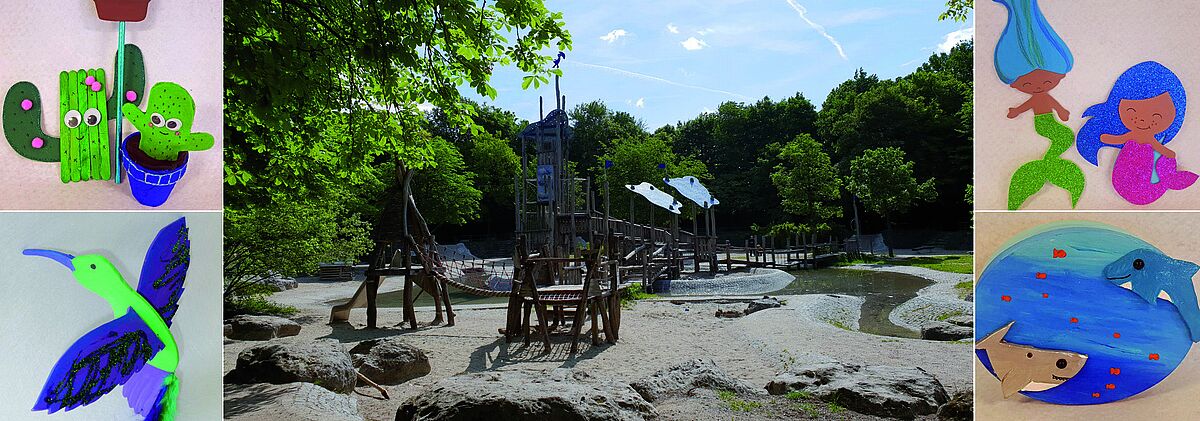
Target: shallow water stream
{"type": "Point", "coordinates": [883, 291]}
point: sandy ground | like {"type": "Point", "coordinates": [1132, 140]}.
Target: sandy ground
{"type": "Point", "coordinates": [654, 335]}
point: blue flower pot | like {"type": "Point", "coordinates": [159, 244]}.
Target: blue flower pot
{"type": "Point", "coordinates": [151, 181]}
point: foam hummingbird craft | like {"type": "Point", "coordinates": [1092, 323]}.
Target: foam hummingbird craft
{"type": "Point", "coordinates": [136, 349]}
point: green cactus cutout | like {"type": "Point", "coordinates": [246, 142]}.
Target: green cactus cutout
{"type": "Point", "coordinates": [85, 154]}
{"type": "Point", "coordinates": [166, 125]}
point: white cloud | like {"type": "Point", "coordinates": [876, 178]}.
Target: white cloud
{"type": "Point", "coordinates": [820, 29]}
{"type": "Point", "coordinates": [954, 38]}
{"type": "Point", "coordinates": [692, 44]}
{"type": "Point", "coordinates": [613, 35]}
{"type": "Point", "coordinates": [704, 31]}
{"type": "Point", "coordinates": [641, 103]}
{"type": "Point", "coordinates": [672, 28]}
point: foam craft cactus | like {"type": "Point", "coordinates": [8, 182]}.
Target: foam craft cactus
{"type": "Point", "coordinates": [166, 125]}
{"type": "Point", "coordinates": [84, 109]}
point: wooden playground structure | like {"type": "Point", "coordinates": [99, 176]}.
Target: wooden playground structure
{"type": "Point", "coordinates": [571, 257]}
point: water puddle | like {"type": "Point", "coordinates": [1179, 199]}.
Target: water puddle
{"type": "Point", "coordinates": [883, 292]}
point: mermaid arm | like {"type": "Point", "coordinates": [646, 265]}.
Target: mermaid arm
{"type": "Point", "coordinates": [1162, 149]}
{"type": "Point", "coordinates": [1113, 139]}
{"type": "Point", "coordinates": [1063, 114]}
{"type": "Point", "coordinates": [1020, 109]}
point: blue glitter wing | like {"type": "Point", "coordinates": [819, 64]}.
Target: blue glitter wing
{"type": "Point", "coordinates": [101, 360]}
{"type": "Point", "coordinates": [165, 268]}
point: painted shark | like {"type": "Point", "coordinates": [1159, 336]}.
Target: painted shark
{"type": "Point", "coordinates": [1148, 272]}
{"type": "Point", "coordinates": [1020, 366]}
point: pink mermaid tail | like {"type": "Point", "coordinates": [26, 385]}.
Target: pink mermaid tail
{"type": "Point", "coordinates": [1134, 170]}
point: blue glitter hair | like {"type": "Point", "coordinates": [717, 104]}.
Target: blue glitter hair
{"type": "Point", "coordinates": [1144, 80]}
{"type": "Point", "coordinates": [1028, 43]}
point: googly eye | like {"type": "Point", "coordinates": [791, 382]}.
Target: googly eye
{"type": "Point", "coordinates": [157, 120]}
{"type": "Point", "coordinates": [91, 117]}
{"type": "Point", "coordinates": [72, 119]}
{"type": "Point", "coordinates": [174, 124]}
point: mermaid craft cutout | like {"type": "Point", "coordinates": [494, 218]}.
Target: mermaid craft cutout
{"type": "Point", "coordinates": [1031, 58]}
{"type": "Point", "coordinates": [1143, 113]}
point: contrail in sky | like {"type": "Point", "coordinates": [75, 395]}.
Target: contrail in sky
{"type": "Point", "coordinates": [821, 29]}
{"type": "Point", "coordinates": [644, 76]}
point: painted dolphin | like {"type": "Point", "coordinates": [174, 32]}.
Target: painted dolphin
{"type": "Point", "coordinates": [1017, 366]}
{"type": "Point", "coordinates": [1148, 272]}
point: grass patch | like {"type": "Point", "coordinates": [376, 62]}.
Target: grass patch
{"type": "Point", "coordinates": [796, 395]}
{"type": "Point", "coordinates": [961, 263]}
{"type": "Point", "coordinates": [834, 408]}
{"type": "Point", "coordinates": [257, 305]}
{"type": "Point", "coordinates": [809, 408]}
{"type": "Point", "coordinates": [964, 288]}
{"type": "Point", "coordinates": [737, 404]}
{"type": "Point", "coordinates": [633, 293]}
{"type": "Point", "coordinates": [840, 325]}
{"type": "Point", "coordinates": [942, 317]}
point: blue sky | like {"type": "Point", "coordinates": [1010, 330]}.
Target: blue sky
{"type": "Point", "coordinates": [667, 61]}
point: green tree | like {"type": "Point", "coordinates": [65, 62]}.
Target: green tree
{"type": "Point", "coordinates": [323, 96]}
{"type": "Point", "coordinates": [883, 179]}
{"type": "Point", "coordinates": [285, 238]}
{"type": "Point", "coordinates": [807, 182]}
{"type": "Point", "coordinates": [957, 10]}
{"type": "Point", "coordinates": [448, 190]}
{"type": "Point", "coordinates": [597, 127]}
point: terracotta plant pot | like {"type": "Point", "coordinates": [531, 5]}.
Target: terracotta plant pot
{"type": "Point", "coordinates": [122, 10]}
{"type": "Point", "coordinates": [150, 180]}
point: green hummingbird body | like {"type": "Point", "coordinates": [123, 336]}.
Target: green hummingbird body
{"type": "Point", "coordinates": [97, 274]}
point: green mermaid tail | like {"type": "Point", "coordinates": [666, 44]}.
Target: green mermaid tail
{"type": "Point", "coordinates": [1031, 177]}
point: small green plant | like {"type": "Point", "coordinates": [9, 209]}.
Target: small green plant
{"type": "Point", "coordinates": [942, 317]}
{"type": "Point", "coordinates": [809, 409]}
{"type": "Point", "coordinates": [840, 325]}
{"type": "Point", "coordinates": [788, 359]}
{"type": "Point", "coordinates": [736, 404]}
{"type": "Point", "coordinates": [258, 305]}
{"type": "Point", "coordinates": [834, 408]}
{"type": "Point", "coordinates": [964, 288]}
{"type": "Point", "coordinates": [796, 395]}
{"type": "Point", "coordinates": [633, 293]}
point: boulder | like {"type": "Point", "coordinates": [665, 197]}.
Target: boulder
{"type": "Point", "coordinates": [324, 363]}
{"type": "Point", "coordinates": [965, 320]}
{"type": "Point", "coordinates": [260, 328]}
{"type": "Point", "coordinates": [944, 331]}
{"type": "Point", "coordinates": [389, 360]}
{"type": "Point", "coordinates": [289, 401]}
{"type": "Point", "coordinates": [899, 392]}
{"type": "Point", "coordinates": [279, 283]}
{"type": "Point", "coordinates": [558, 395]}
{"type": "Point", "coordinates": [960, 407]}
{"type": "Point", "coordinates": [763, 304]}
{"type": "Point", "coordinates": [729, 312]}
{"type": "Point", "coordinates": [680, 378]}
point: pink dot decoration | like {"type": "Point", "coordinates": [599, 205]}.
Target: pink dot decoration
{"type": "Point", "coordinates": [131, 96]}
{"type": "Point", "coordinates": [96, 87]}
{"type": "Point", "coordinates": [90, 80]}
{"type": "Point", "coordinates": [26, 105]}
{"type": "Point", "coordinates": [37, 143]}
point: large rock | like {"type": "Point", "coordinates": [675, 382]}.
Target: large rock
{"type": "Point", "coordinates": [943, 331]}
{"type": "Point", "coordinates": [965, 320]}
{"type": "Point", "coordinates": [899, 392]}
{"type": "Point", "coordinates": [680, 378]}
{"type": "Point", "coordinates": [324, 363]}
{"type": "Point", "coordinates": [762, 304]}
{"type": "Point", "coordinates": [290, 401]}
{"type": "Point", "coordinates": [729, 311]}
{"type": "Point", "coordinates": [279, 283]}
{"type": "Point", "coordinates": [960, 407]}
{"type": "Point", "coordinates": [389, 360]}
{"type": "Point", "coordinates": [561, 394]}
{"type": "Point", "coordinates": [260, 328]}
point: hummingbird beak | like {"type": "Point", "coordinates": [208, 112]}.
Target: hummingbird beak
{"type": "Point", "coordinates": [60, 257]}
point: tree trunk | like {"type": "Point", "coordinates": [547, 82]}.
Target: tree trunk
{"type": "Point", "coordinates": [887, 228]}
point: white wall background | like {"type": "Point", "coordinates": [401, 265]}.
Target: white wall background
{"type": "Point", "coordinates": [182, 43]}
{"type": "Point", "coordinates": [46, 310]}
